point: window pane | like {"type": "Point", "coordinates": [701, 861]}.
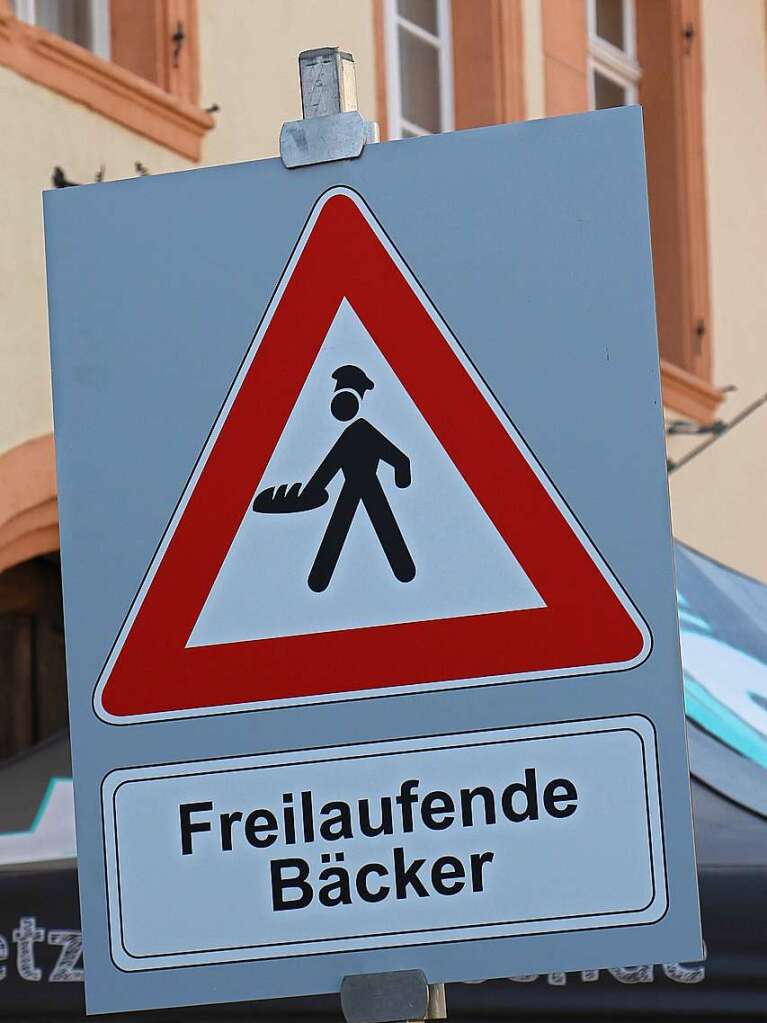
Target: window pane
{"type": "Point", "coordinates": [419, 81]}
{"type": "Point", "coordinates": [421, 12]}
{"type": "Point", "coordinates": [610, 22]}
{"type": "Point", "coordinates": [607, 93]}
{"type": "Point", "coordinates": [21, 9]}
{"type": "Point", "coordinates": [67, 18]}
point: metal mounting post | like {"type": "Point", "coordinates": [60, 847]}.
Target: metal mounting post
{"type": "Point", "coordinates": [403, 996]}
{"type": "Point", "coordinates": [332, 127]}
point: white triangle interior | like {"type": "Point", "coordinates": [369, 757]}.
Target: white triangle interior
{"type": "Point", "coordinates": [463, 566]}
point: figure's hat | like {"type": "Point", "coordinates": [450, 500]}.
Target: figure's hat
{"type": "Point", "coordinates": [352, 378]}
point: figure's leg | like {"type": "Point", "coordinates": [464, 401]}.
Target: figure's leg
{"type": "Point", "coordinates": [335, 535]}
{"type": "Point", "coordinates": [388, 532]}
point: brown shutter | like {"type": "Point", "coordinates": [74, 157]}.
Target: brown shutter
{"type": "Point", "coordinates": [565, 48]}
{"type": "Point", "coordinates": [671, 92]}
{"type": "Point", "coordinates": [488, 62]}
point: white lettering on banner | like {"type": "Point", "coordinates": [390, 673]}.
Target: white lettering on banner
{"type": "Point", "coordinates": [68, 965]}
{"type": "Point", "coordinates": [685, 973]}
{"type": "Point", "coordinates": [509, 831]}
{"type": "Point", "coordinates": [24, 937]}
{"type": "Point", "coordinates": [71, 944]}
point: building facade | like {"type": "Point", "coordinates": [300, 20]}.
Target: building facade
{"type": "Point", "coordinates": [104, 89]}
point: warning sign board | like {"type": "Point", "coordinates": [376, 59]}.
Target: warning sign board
{"type": "Point", "coordinates": [372, 643]}
{"type": "Point", "coordinates": [364, 516]}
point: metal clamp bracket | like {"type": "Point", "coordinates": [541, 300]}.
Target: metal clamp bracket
{"type": "Point", "coordinates": [403, 995]}
{"type": "Point", "coordinates": [332, 127]}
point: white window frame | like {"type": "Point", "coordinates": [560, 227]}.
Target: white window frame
{"type": "Point", "coordinates": [619, 65]}
{"type": "Point", "coordinates": [25, 10]}
{"type": "Point", "coordinates": [442, 43]}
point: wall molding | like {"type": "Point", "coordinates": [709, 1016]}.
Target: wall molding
{"type": "Point", "coordinates": [103, 86]}
{"type": "Point", "coordinates": [689, 394]}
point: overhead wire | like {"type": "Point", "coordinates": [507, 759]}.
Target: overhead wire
{"type": "Point", "coordinates": [720, 430]}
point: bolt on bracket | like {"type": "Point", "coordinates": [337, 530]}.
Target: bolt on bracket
{"type": "Point", "coordinates": [332, 127]}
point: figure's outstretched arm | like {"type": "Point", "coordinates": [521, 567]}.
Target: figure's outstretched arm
{"type": "Point", "coordinates": [326, 470]}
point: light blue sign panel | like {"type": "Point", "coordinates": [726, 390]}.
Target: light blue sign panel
{"type": "Point", "coordinates": [492, 823]}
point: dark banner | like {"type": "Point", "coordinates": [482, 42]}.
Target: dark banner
{"type": "Point", "coordinates": [40, 942]}
{"type": "Point", "coordinates": [41, 963]}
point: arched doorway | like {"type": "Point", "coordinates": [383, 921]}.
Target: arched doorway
{"type": "Point", "coordinates": [33, 703]}
{"type": "Point", "coordinates": [33, 695]}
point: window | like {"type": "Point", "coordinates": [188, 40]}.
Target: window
{"type": "Point", "coordinates": [134, 61]}
{"type": "Point", "coordinates": [85, 22]}
{"type": "Point", "coordinates": [613, 69]}
{"type": "Point", "coordinates": [419, 67]}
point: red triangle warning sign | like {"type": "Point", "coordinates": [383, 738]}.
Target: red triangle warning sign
{"type": "Point", "coordinates": [422, 547]}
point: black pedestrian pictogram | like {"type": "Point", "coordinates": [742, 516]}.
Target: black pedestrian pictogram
{"type": "Point", "coordinates": [356, 454]}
